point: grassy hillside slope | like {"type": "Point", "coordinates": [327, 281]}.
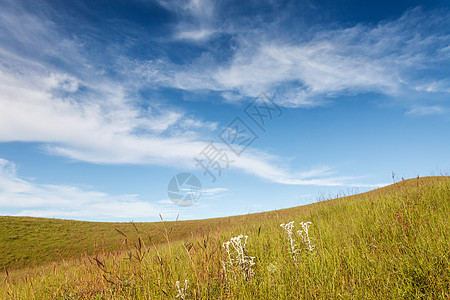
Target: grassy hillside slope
{"type": "Point", "coordinates": [392, 242]}
{"type": "Point", "coordinates": [29, 241]}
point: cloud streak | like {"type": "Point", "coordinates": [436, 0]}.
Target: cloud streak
{"type": "Point", "coordinates": [388, 58]}
{"type": "Point", "coordinates": [426, 110]}
{"type": "Point", "coordinates": [88, 117]}
{"type": "Point", "coordinates": [25, 198]}
{"type": "Point", "coordinates": [196, 18]}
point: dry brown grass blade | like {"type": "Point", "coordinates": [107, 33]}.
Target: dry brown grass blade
{"type": "Point", "coordinates": [107, 280]}
{"type": "Point", "coordinates": [135, 227]}
{"type": "Point", "coordinates": [6, 275]}
{"type": "Point", "coordinates": [101, 265]}
{"type": "Point", "coordinates": [164, 292]}
{"type": "Point", "coordinates": [120, 232]}
{"type": "Point", "coordinates": [149, 237]}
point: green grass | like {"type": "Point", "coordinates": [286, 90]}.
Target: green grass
{"type": "Point", "coordinates": [34, 241]}
{"type": "Point", "coordinates": [389, 243]}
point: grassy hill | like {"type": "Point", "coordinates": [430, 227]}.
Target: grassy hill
{"type": "Point", "coordinates": [32, 241]}
{"type": "Point", "coordinates": [391, 241]}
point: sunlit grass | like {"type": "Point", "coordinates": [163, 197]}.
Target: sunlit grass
{"type": "Point", "coordinates": [389, 243]}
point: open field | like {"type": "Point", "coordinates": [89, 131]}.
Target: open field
{"type": "Point", "coordinates": [392, 242]}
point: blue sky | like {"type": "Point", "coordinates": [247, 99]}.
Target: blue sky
{"type": "Point", "coordinates": [103, 102]}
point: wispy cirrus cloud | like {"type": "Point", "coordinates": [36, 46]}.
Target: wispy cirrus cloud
{"type": "Point", "coordinates": [196, 35]}
{"type": "Point", "coordinates": [196, 18]}
{"type": "Point", "coordinates": [105, 132]}
{"type": "Point", "coordinates": [79, 112]}
{"type": "Point", "coordinates": [25, 198]}
{"type": "Point", "coordinates": [426, 110]}
{"type": "Point", "coordinates": [396, 58]}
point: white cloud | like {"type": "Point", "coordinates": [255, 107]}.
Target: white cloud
{"type": "Point", "coordinates": [195, 35]}
{"type": "Point", "coordinates": [214, 191]}
{"type": "Point", "coordinates": [196, 18]}
{"type": "Point", "coordinates": [103, 131]}
{"type": "Point", "coordinates": [212, 194]}
{"type": "Point", "coordinates": [390, 58]}
{"type": "Point", "coordinates": [95, 119]}
{"type": "Point", "coordinates": [25, 198]}
{"type": "Point", "coordinates": [20, 197]}
{"type": "Point", "coordinates": [435, 86]}
{"type": "Point", "coordinates": [84, 115]}
{"type": "Point", "coordinates": [199, 9]}
{"type": "Point", "coordinates": [317, 67]}
{"type": "Point", "coordinates": [426, 110]}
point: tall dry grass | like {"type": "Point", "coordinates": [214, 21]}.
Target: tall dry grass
{"type": "Point", "coordinates": [374, 246]}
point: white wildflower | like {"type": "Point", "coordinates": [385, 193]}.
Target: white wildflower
{"type": "Point", "coordinates": [289, 231]}
{"type": "Point", "coordinates": [304, 234]}
{"type": "Point", "coordinates": [182, 291]}
{"type": "Point", "coordinates": [237, 256]}
{"type": "Point", "coordinates": [272, 268]}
